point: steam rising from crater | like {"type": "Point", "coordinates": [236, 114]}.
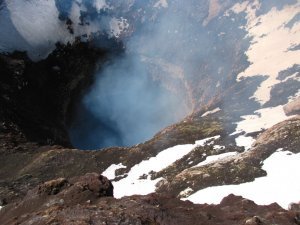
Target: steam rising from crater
{"type": "Point", "coordinates": [178, 56]}
{"type": "Point", "coordinates": [36, 26]}
{"type": "Point", "coordinates": [174, 47]}
{"type": "Point", "coordinates": [145, 89]}
{"type": "Point", "coordinates": [126, 105]}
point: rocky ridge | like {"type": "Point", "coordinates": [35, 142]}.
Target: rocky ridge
{"type": "Point", "coordinates": [85, 200]}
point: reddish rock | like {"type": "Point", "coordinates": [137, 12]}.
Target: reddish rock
{"type": "Point", "coordinates": [53, 187]}
{"type": "Point", "coordinates": [77, 204]}
{"type": "Point", "coordinates": [96, 183]}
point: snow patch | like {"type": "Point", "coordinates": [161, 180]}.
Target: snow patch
{"type": "Point", "coordinates": [293, 76]}
{"type": "Point", "coordinates": [211, 112]}
{"type": "Point", "coordinates": [214, 158]}
{"type": "Point", "coordinates": [294, 97]}
{"type": "Point", "coordinates": [204, 141]}
{"type": "Point", "coordinates": [239, 7]}
{"type": "Point", "coordinates": [186, 192]}
{"type": "Point", "coordinates": [263, 119]}
{"type": "Point", "coordinates": [281, 185]}
{"type": "Point", "coordinates": [111, 170]}
{"type": "Point", "coordinates": [80, 29]}
{"type": "Point", "coordinates": [267, 48]}
{"type": "Point", "coordinates": [133, 184]}
{"type": "Point", "coordinates": [219, 147]}
{"type": "Point", "coordinates": [245, 142]}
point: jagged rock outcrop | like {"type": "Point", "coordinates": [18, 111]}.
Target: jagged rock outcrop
{"type": "Point", "coordinates": [77, 206]}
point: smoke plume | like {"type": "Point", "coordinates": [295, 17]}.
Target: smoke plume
{"type": "Point", "coordinates": [178, 56]}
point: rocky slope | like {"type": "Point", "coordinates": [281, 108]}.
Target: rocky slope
{"type": "Point", "coordinates": [242, 126]}
{"type": "Point", "coordinates": [29, 164]}
{"type": "Point", "coordinates": [83, 201]}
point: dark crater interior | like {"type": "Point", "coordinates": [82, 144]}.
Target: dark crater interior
{"type": "Point", "coordinates": [123, 107]}
{"type": "Point", "coordinates": [85, 96]}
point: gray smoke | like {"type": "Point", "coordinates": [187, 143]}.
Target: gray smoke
{"type": "Point", "coordinates": [127, 106]}
{"type": "Point", "coordinates": [171, 47]}
{"type": "Point", "coordinates": [146, 89]}
{"type": "Point", "coordinates": [143, 91]}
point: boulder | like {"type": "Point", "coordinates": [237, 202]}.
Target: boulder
{"type": "Point", "coordinates": [97, 184]}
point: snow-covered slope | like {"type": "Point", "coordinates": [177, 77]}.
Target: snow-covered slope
{"type": "Point", "coordinates": [280, 185]}
{"type": "Point", "coordinates": [138, 179]}
{"type": "Point", "coordinates": [271, 53]}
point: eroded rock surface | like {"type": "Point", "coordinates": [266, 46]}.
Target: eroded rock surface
{"type": "Point", "coordinates": [78, 206]}
{"type": "Point", "coordinates": [243, 167]}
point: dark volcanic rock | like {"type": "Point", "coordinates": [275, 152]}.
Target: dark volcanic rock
{"type": "Point", "coordinates": [61, 192]}
{"type": "Point", "coordinates": [150, 209]}
{"type": "Point", "coordinates": [53, 187]}
{"type": "Point", "coordinates": [97, 184]}
{"type": "Point", "coordinates": [37, 98]}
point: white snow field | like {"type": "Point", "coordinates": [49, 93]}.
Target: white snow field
{"type": "Point", "coordinates": [281, 184]}
{"type": "Point", "coordinates": [132, 184]}
{"type": "Point", "coordinates": [267, 46]}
